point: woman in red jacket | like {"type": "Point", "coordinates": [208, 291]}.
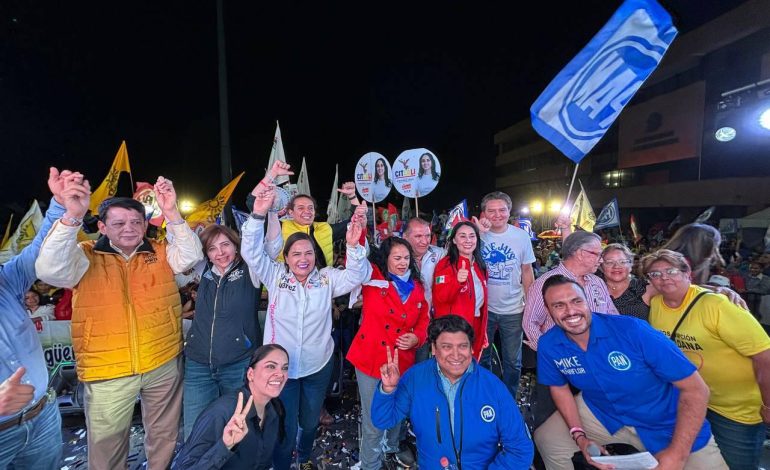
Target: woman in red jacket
{"type": "Point", "coordinates": [395, 316]}
{"type": "Point", "coordinates": [460, 282]}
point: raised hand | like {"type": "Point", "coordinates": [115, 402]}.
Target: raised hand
{"type": "Point", "coordinates": [407, 341]}
{"type": "Point", "coordinates": [389, 371]}
{"type": "Point", "coordinates": [236, 429]}
{"type": "Point", "coordinates": [353, 234]}
{"type": "Point", "coordinates": [165, 194]}
{"type": "Point", "coordinates": [359, 214]}
{"type": "Point", "coordinates": [349, 190]}
{"type": "Point", "coordinates": [56, 182]}
{"type": "Point", "coordinates": [75, 195]}
{"type": "Point", "coordinates": [483, 224]}
{"type": "Point", "coordinates": [462, 273]}
{"type": "Point", "coordinates": [279, 168]}
{"type": "Point", "coordinates": [264, 194]}
{"type": "Point", "coordinates": [14, 395]}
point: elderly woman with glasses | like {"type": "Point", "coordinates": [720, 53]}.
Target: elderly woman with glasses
{"type": "Point", "coordinates": [729, 347]}
{"type": "Point", "coordinates": [630, 294]}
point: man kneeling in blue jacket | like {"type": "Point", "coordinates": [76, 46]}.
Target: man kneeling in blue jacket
{"type": "Point", "coordinates": [463, 416]}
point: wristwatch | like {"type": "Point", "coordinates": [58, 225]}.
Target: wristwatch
{"type": "Point", "coordinates": [72, 221]}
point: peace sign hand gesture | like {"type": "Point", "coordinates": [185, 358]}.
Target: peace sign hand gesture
{"type": "Point", "coordinates": [389, 371]}
{"type": "Point", "coordinates": [236, 429]}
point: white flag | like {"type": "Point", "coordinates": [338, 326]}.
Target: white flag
{"type": "Point", "coordinates": [406, 210]}
{"type": "Point", "coordinates": [28, 227]}
{"type": "Point", "coordinates": [705, 216]}
{"type": "Point", "coordinates": [303, 185]}
{"type": "Point", "coordinates": [276, 153]}
{"type": "Point", "coordinates": [582, 214]}
{"type": "Point", "coordinates": [332, 213]}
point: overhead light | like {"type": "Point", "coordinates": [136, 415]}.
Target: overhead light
{"type": "Point", "coordinates": [764, 119]}
{"type": "Point", "coordinates": [727, 133]}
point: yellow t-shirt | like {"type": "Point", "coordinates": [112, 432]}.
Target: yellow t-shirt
{"type": "Point", "coordinates": [719, 338]}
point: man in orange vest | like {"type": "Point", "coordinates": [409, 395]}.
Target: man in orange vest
{"type": "Point", "coordinates": [126, 318]}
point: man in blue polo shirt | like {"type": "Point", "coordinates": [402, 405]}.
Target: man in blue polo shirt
{"type": "Point", "coordinates": [637, 387]}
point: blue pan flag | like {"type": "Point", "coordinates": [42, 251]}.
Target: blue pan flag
{"type": "Point", "coordinates": [581, 103]}
{"type": "Point", "coordinates": [609, 216]}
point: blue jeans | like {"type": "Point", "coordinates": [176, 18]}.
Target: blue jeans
{"type": "Point", "coordinates": [511, 335]}
{"type": "Point", "coordinates": [302, 399]}
{"type": "Point", "coordinates": [740, 444]}
{"type": "Point", "coordinates": [203, 384]}
{"type": "Point", "coordinates": [373, 440]}
{"type": "Point", "coordinates": [35, 444]}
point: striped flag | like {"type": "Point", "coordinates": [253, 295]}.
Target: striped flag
{"type": "Point", "coordinates": [581, 103]}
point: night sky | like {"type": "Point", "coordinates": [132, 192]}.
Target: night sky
{"type": "Point", "coordinates": [343, 79]}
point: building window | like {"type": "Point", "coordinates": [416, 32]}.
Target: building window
{"type": "Point", "coordinates": [617, 178]}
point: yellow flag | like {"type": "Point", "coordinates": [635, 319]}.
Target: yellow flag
{"type": "Point", "coordinates": [582, 214]}
{"type": "Point", "coordinates": [24, 234]}
{"type": "Point", "coordinates": [109, 186]}
{"type": "Point", "coordinates": [7, 231]}
{"type": "Point", "coordinates": [207, 212]}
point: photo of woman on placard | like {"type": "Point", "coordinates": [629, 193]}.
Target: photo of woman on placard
{"type": "Point", "coordinates": [382, 184]}
{"type": "Point", "coordinates": [428, 174]}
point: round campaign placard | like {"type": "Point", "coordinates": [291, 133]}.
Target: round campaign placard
{"type": "Point", "coordinates": [416, 172]}
{"type": "Point", "coordinates": [373, 177]}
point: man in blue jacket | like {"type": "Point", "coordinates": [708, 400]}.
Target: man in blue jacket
{"type": "Point", "coordinates": [463, 416]}
{"type": "Point", "coordinates": [30, 424]}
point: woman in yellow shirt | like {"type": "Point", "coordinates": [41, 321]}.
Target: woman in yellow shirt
{"type": "Point", "coordinates": [729, 347]}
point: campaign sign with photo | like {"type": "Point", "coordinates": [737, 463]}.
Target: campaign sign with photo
{"type": "Point", "coordinates": [373, 177]}
{"type": "Point", "coordinates": [416, 172]}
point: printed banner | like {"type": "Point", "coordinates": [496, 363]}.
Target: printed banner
{"type": "Point", "coordinates": [56, 338]}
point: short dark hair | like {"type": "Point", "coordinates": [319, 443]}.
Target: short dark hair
{"type": "Point", "coordinates": [123, 203]}
{"type": "Point", "coordinates": [449, 324]}
{"type": "Point", "coordinates": [559, 280]}
{"type": "Point", "coordinates": [415, 221]}
{"type": "Point", "coordinates": [211, 232]}
{"type": "Point", "coordinates": [306, 196]}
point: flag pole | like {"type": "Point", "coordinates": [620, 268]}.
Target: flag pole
{"type": "Point", "coordinates": [572, 183]}
{"type": "Point", "coordinates": [374, 220]}
{"type": "Point", "coordinates": [416, 207]}
{"type": "Point", "coordinates": [131, 178]}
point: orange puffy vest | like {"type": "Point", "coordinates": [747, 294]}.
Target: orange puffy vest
{"type": "Point", "coordinates": [126, 314]}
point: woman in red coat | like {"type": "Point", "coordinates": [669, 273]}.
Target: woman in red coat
{"type": "Point", "coordinates": [460, 282]}
{"type": "Point", "coordinates": [395, 316]}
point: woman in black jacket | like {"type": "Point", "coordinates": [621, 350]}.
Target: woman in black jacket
{"type": "Point", "coordinates": [225, 330]}
{"type": "Point", "coordinates": [229, 435]}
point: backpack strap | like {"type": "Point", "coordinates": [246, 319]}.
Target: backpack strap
{"type": "Point", "coordinates": [684, 315]}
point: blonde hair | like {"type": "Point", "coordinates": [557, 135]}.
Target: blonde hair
{"type": "Point", "coordinates": [673, 258]}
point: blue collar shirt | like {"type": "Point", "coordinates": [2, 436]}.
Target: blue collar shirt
{"type": "Point", "coordinates": [625, 375]}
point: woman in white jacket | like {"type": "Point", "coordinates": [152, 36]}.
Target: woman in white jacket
{"type": "Point", "coordinates": [299, 318]}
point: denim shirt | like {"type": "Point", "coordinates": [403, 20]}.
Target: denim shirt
{"type": "Point", "coordinates": [19, 342]}
{"type": "Point", "coordinates": [450, 390]}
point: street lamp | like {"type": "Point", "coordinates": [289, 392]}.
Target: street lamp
{"type": "Point", "coordinates": [524, 210]}
{"type": "Point", "coordinates": [554, 207]}
{"type": "Point", "coordinates": [536, 207]}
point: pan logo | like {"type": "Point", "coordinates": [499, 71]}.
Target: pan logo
{"type": "Point", "coordinates": [487, 413]}
{"type": "Point", "coordinates": [619, 361]}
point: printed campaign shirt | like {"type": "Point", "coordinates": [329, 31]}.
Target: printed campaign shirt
{"type": "Point", "coordinates": [504, 253]}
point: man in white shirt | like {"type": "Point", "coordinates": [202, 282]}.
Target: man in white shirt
{"type": "Point", "coordinates": [507, 251]}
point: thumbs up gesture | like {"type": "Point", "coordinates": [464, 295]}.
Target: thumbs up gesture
{"type": "Point", "coordinates": [15, 395]}
{"type": "Point", "coordinates": [462, 273]}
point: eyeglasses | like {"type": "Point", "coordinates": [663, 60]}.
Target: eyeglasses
{"type": "Point", "coordinates": [611, 263]}
{"type": "Point", "coordinates": [595, 253]}
{"type": "Point", "coordinates": [670, 272]}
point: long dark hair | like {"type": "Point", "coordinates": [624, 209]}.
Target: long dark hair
{"type": "Point", "coordinates": [259, 354]}
{"type": "Point", "coordinates": [379, 257]}
{"type": "Point", "coordinates": [433, 172]}
{"type": "Point", "coordinates": [454, 253]}
{"type": "Point", "coordinates": [386, 175]}
{"type": "Point", "coordinates": [699, 243]}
